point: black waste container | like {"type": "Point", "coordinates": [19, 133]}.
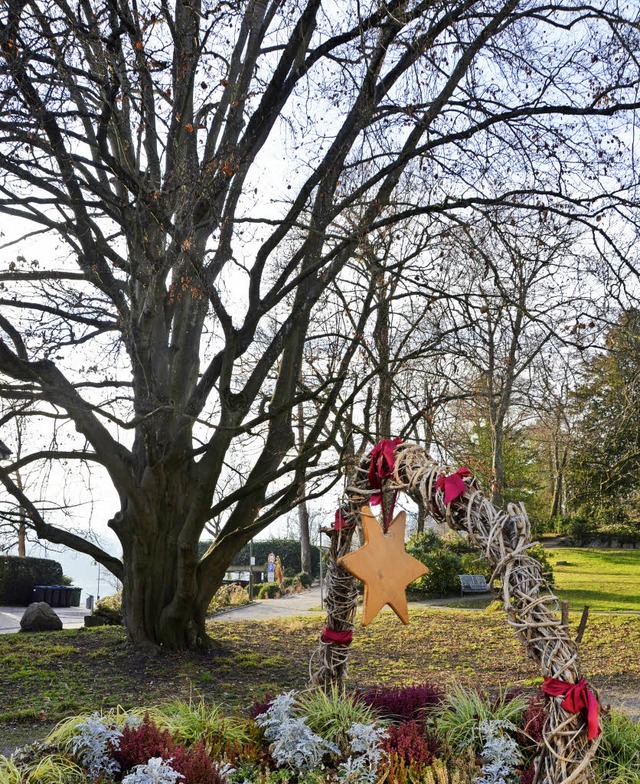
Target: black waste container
{"type": "Point", "coordinates": [75, 596]}
{"type": "Point", "coordinates": [39, 592]}
{"type": "Point", "coordinates": [55, 596]}
{"type": "Point", "coordinates": [48, 595]}
{"type": "Point", "coordinates": [65, 596]}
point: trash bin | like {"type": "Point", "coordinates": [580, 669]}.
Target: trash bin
{"type": "Point", "coordinates": [75, 596]}
{"type": "Point", "coordinates": [39, 592]}
{"type": "Point", "coordinates": [65, 595]}
{"type": "Point", "coordinates": [48, 595]}
{"type": "Point", "coordinates": [55, 596]}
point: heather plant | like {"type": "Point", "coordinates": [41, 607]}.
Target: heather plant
{"type": "Point", "coordinates": [409, 742]}
{"type": "Point", "coordinates": [458, 719]}
{"type": "Point", "coordinates": [500, 752]}
{"type": "Point", "coordinates": [139, 744]}
{"type": "Point", "coordinates": [332, 714]}
{"type": "Point", "coordinates": [293, 743]}
{"type": "Point", "coordinates": [532, 723]}
{"type": "Point", "coordinates": [403, 703]}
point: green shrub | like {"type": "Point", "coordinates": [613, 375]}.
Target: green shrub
{"type": "Point", "coordinates": [230, 595]}
{"type": "Point", "coordinates": [580, 529]}
{"type": "Point", "coordinates": [287, 549]}
{"type": "Point", "coordinates": [474, 564]}
{"type": "Point", "coordinates": [457, 720]}
{"type": "Point", "coordinates": [442, 577]}
{"type": "Point", "coordinates": [19, 575]}
{"type": "Point", "coordinates": [304, 579]}
{"type": "Point", "coordinates": [539, 554]}
{"type": "Point", "coordinates": [331, 714]}
{"type": "Point", "coordinates": [193, 721]}
{"type": "Point", "coordinates": [618, 756]}
{"type": "Point", "coordinates": [110, 609]}
{"type": "Point", "coordinates": [268, 591]}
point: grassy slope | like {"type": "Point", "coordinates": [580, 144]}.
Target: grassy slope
{"type": "Point", "coordinates": [603, 579]}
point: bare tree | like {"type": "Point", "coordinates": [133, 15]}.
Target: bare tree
{"type": "Point", "coordinates": [196, 166]}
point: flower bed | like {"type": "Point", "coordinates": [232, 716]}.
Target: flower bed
{"type": "Point", "coordinates": [394, 735]}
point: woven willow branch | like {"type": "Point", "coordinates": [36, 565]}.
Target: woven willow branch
{"type": "Point", "coordinates": [532, 609]}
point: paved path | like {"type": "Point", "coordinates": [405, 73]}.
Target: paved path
{"type": "Point", "coordinates": [300, 604]}
{"type": "Point", "coordinates": [266, 609]}
{"type": "Point", "coordinates": [71, 617]}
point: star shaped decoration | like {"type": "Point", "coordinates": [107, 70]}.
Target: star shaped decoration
{"type": "Point", "coordinates": [384, 566]}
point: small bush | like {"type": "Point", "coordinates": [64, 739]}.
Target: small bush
{"type": "Point", "coordinates": [408, 741]}
{"type": "Point", "coordinates": [139, 744]}
{"type": "Point", "coordinates": [580, 530]}
{"type": "Point", "coordinates": [458, 718]}
{"type": "Point", "coordinates": [230, 595]}
{"type": "Point", "coordinates": [618, 756]}
{"type": "Point", "coordinates": [269, 591]}
{"type": "Point", "coordinates": [332, 714]}
{"type": "Point", "coordinates": [110, 609]}
{"type": "Point", "coordinates": [402, 703]}
{"type": "Point", "coordinates": [532, 723]}
{"type": "Point", "coordinates": [305, 579]}
{"type": "Point", "coordinates": [442, 578]}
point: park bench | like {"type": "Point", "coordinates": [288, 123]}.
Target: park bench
{"type": "Point", "coordinates": [473, 583]}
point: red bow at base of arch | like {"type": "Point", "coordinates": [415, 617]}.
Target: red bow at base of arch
{"type": "Point", "coordinates": [333, 637]}
{"type": "Point", "coordinates": [578, 698]}
{"type": "Point", "coordinates": [453, 484]}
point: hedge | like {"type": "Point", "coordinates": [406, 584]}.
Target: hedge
{"type": "Point", "coordinates": [19, 575]}
{"type": "Point", "coordinates": [287, 549]}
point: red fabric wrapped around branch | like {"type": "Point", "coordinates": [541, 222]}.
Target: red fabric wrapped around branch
{"type": "Point", "coordinates": [453, 484]}
{"type": "Point", "coordinates": [334, 637]}
{"type": "Point", "coordinates": [578, 698]}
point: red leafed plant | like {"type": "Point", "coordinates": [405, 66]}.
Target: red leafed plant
{"type": "Point", "coordinates": [139, 744]}
{"type": "Point", "coordinates": [408, 741]}
{"type": "Point", "coordinates": [528, 776]}
{"type": "Point", "coordinates": [533, 722]}
{"type": "Point", "coordinates": [195, 764]}
{"type": "Point", "coordinates": [261, 705]}
{"type": "Point", "coordinates": [403, 703]}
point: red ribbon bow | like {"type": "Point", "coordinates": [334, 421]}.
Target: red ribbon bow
{"type": "Point", "coordinates": [453, 485]}
{"type": "Point", "coordinates": [578, 697]}
{"type": "Point", "coordinates": [338, 521]}
{"type": "Point", "coordinates": [381, 465]}
{"type": "Point", "coordinates": [334, 637]}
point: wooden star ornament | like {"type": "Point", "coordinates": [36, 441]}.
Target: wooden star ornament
{"type": "Point", "coordinates": [384, 567]}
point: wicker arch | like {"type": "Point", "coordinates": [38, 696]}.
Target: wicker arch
{"type": "Point", "coordinates": [532, 609]}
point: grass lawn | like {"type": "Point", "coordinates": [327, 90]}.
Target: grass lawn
{"type": "Point", "coordinates": [50, 675]}
{"type": "Point", "coordinates": [603, 579]}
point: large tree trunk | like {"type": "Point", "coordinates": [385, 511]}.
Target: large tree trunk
{"type": "Point", "coordinates": [162, 604]}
